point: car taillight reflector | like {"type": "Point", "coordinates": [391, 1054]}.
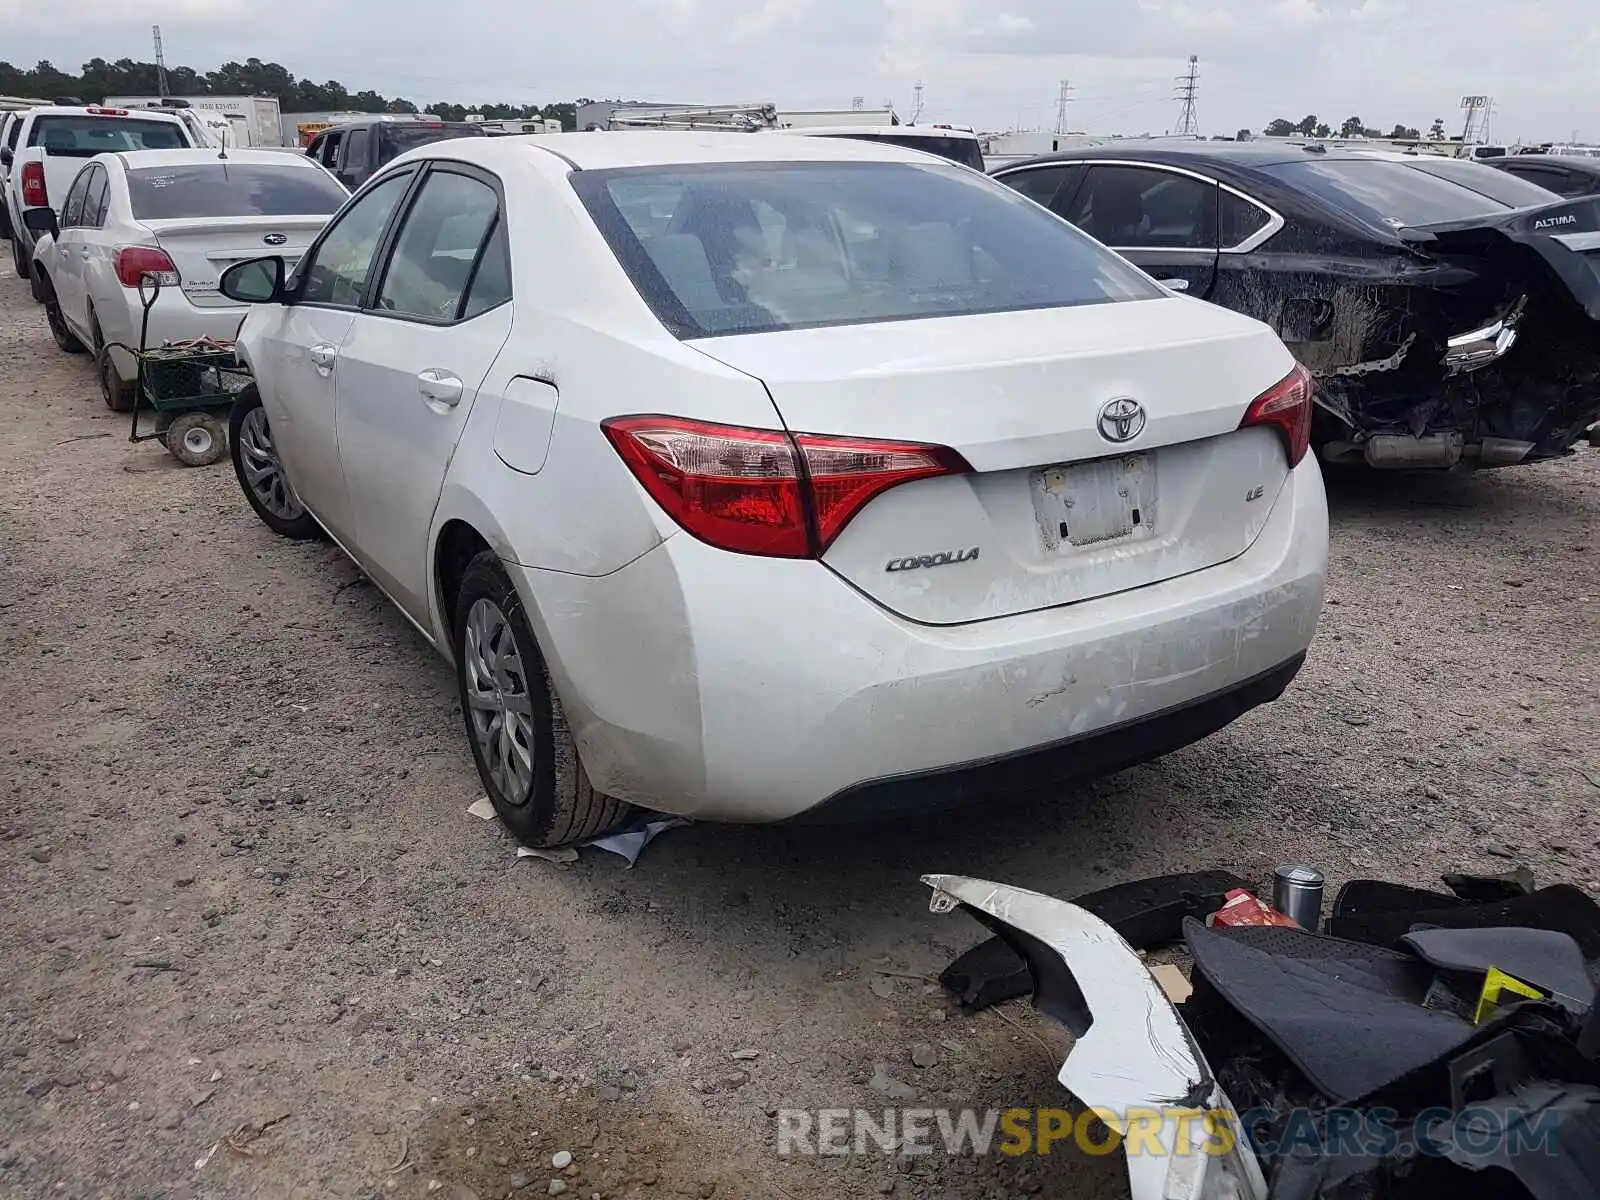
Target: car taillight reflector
{"type": "Point", "coordinates": [135, 262]}
{"type": "Point", "coordinates": [764, 491]}
{"type": "Point", "coordinates": [34, 194]}
{"type": "Point", "coordinates": [1286, 407]}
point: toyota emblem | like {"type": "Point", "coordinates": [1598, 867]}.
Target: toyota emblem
{"type": "Point", "coordinates": [275, 239]}
{"type": "Point", "coordinates": [1121, 420]}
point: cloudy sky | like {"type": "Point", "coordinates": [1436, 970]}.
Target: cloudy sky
{"type": "Point", "coordinates": [994, 64]}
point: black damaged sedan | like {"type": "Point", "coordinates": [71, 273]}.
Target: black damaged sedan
{"type": "Point", "coordinates": [1450, 312]}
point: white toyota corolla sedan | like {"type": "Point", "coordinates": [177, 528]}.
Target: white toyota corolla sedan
{"type": "Point", "coordinates": [754, 478]}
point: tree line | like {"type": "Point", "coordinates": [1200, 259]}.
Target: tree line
{"type": "Point", "coordinates": [1353, 127]}
{"type": "Point", "coordinates": [126, 77]}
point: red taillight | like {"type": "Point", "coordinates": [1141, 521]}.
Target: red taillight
{"type": "Point", "coordinates": [135, 262]}
{"type": "Point", "coordinates": [764, 491]}
{"type": "Point", "coordinates": [1286, 407]}
{"type": "Point", "coordinates": [34, 194]}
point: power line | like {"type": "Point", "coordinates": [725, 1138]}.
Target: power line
{"type": "Point", "coordinates": [1188, 90]}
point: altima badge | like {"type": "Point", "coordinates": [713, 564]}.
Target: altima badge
{"type": "Point", "coordinates": [1121, 420]}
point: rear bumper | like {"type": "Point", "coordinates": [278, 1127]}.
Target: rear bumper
{"type": "Point", "coordinates": [172, 318]}
{"type": "Point", "coordinates": [733, 688]}
{"type": "Point", "coordinates": [1075, 758]}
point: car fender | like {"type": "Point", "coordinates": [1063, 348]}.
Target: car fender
{"type": "Point", "coordinates": [1134, 1061]}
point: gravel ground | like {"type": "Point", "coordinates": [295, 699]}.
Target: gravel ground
{"type": "Point", "coordinates": [254, 946]}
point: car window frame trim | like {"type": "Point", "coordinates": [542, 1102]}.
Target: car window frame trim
{"type": "Point", "coordinates": [1275, 219]}
{"type": "Point", "coordinates": [389, 243]}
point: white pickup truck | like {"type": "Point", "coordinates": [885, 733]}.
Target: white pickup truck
{"type": "Point", "coordinates": [52, 143]}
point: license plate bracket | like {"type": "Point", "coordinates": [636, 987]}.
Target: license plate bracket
{"type": "Point", "coordinates": [1096, 503]}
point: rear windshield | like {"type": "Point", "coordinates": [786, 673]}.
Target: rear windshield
{"type": "Point", "coordinates": [408, 137]}
{"type": "Point", "coordinates": [756, 247]}
{"type": "Point", "coordinates": [222, 189]}
{"type": "Point", "coordinates": [960, 150]}
{"type": "Point", "coordinates": [84, 136]}
{"type": "Point", "coordinates": [1487, 181]}
{"type": "Point", "coordinates": [1385, 192]}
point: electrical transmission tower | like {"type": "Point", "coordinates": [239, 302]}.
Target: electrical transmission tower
{"type": "Point", "coordinates": [916, 102]}
{"type": "Point", "coordinates": [161, 64]}
{"type": "Point", "coordinates": [1188, 90]}
{"type": "Point", "coordinates": [1061, 106]}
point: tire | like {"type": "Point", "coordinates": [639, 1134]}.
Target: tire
{"type": "Point", "coordinates": [117, 392]}
{"type": "Point", "coordinates": [65, 339]}
{"type": "Point", "coordinates": [21, 260]}
{"type": "Point", "coordinates": [549, 802]}
{"type": "Point", "coordinates": [197, 439]}
{"type": "Point", "coordinates": [261, 473]}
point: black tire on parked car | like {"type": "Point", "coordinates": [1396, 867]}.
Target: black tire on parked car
{"type": "Point", "coordinates": [261, 473]}
{"type": "Point", "coordinates": [20, 259]}
{"type": "Point", "coordinates": [117, 392]}
{"type": "Point", "coordinates": [65, 339]}
{"type": "Point", "coordinates": [525, 752]}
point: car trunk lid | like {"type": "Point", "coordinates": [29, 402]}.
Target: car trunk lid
{"type": "Point", "coordinates": [1055, 510]}
{"type": "Point", "coordinates": [202, 249]}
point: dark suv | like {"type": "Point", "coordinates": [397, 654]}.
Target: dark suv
{"type": "Point", "coordinates": [354, 151]}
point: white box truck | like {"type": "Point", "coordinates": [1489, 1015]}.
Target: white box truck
{"type": "Point", "coordinates": [252, 120]}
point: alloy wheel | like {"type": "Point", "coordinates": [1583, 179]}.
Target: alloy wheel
{"type": "Point", "coordinates": [498, 703]}
{"type": "Point", "coordinates": [262, 467]}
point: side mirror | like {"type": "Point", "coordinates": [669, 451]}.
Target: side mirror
{"type": "Point", "coordinates": [41, 220]}
{"type": "Point", "coordinates": [258, 281]}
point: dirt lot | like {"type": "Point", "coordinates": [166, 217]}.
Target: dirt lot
{"type": "Point", "coordinates": [252, 944]}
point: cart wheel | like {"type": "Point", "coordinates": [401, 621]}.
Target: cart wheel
{"type": "Point", "coordinates": [197, 439]}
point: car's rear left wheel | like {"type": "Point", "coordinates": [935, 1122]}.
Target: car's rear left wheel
{"type": "Point", "coordinates": [525, 752]}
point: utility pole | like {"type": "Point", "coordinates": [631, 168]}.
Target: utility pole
{"type": "Point", "coordinates": [916, 102]}
{"type": "Point", "coordinates": [161, 64]}
{"type": "Point", "coordinates": [1188, 90]}
{"type": "Point", "coordinates": [1061, 106]}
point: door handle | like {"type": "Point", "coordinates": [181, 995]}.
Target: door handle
{"type": "Point", "coordinates": [441, 387]}
{"type": "Point", "coordinates": [322, 354]}
{"type": "Point", "coordinates": [1177, 285]}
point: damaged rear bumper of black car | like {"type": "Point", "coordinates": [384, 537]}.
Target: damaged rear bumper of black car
{"type": "Point", "coordinates": [1480, 347]}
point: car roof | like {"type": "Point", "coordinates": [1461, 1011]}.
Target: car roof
{"type": "Point", "coordinates": [140, 159]}
{"type": "Point", "coordinates": [88, 110]}
{"type": "Point", "coordinates": [607, 149]}
{"type": "Point", "coordinates": [905, 131]}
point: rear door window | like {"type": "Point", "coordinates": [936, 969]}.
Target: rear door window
{"type": "Point", "coordinates": [355, 154]}
{"type": "Point", "coordinates": [223, 189]}
{"type": "Point", "coordinates": [72, 206]}
{"type": "Point", "coordinates": [1241, 220]}
{"type": "Point", "coordinates": [1146, 208]}
{"type": "Point", "coordinates": [439, 248]}
{"type": "Point", "coordinates": [74, 136]}
{"type": "Point", "coordinates": [94, 200]}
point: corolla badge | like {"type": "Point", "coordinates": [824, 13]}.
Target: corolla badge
{"type": "Point", "coordinates": [275, 239]}
{"type": "Point", "coordinates": [1121, 420]}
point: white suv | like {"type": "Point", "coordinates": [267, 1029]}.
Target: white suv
{"type": "Point", "coordinates": [50, 146]}
{"type": "Point", "coordinates": [753, 478]}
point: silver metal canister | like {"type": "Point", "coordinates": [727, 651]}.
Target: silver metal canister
{"type": "Point", "coordinates": [1297, 894]}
